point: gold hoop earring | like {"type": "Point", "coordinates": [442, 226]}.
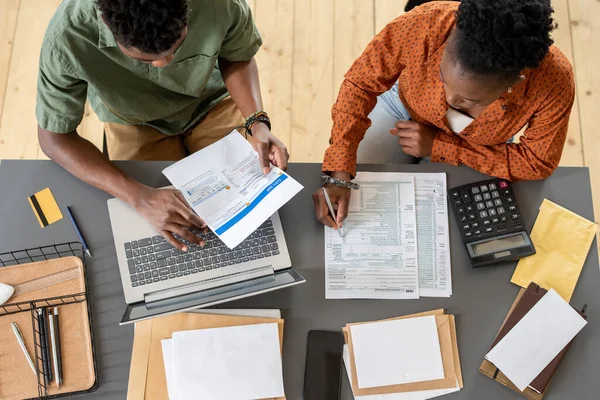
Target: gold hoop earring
{"type": "Point", "coordinates": [509, 90]}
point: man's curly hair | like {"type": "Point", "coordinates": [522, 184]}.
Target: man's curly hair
{"type": "Point", "coordinates": [151, 26]}
{"type": "Point", "coordinates": [502, 37]}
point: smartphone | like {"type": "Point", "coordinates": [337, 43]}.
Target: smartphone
{"type": "Point", "coordinates": [323, 369]}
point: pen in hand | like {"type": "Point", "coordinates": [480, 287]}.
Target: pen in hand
{"type": "Point", "coordinates": [332, 212]}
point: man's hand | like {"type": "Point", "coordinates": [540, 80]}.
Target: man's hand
{"type": "Point", "coordinates": [416, 139]}
{"type": "Point", "coordinates": [269, 148]}
{"type": "Point", "coordinates": [169, 213]}
{"type": "Point", "coordinates": [340, 198]}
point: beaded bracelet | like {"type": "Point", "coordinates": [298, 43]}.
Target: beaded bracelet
{"type": "Point", "coordinates": [258, 116]}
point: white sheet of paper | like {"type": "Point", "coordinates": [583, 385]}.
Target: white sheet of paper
{"type": "Point", "coordinates": [225, 185]}
{"type": "Point", "coordinates": [419, 395]}
{"type": "Point", "coordinates": [536, 339]}
{"type": "Point", "coordinates": [233, 363]}
{"type": "Point", "coordinates": [167, 350]}
{"type": "Point", "coordinates": [377, 257]}
{"type": "Point", "coordinates": [433, 237]}
{"type": "Point", "coordinates": [241, 312]}
{"type": "Point", "coordinates": [395, 352]}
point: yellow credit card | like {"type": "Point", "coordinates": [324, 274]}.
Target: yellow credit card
{"type": "Point", "coordinates": [45, 207]}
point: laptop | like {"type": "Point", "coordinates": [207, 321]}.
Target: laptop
{"type": "Point", "coordinates": [158, 279]}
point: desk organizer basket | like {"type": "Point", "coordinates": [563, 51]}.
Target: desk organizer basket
{"type": "Point", "coordinates": [46, 253]}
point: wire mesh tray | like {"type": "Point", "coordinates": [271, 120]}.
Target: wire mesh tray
{"type": "Point", "coordinates": [42, 253]}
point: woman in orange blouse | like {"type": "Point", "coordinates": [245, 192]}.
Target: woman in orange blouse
{"type": "Point", "coordinates": [453, 83]}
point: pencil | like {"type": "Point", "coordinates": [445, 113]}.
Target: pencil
{"type": "Point", "coordinates": [78, 231]}
{"type": "Point", "coordinates": [53, 344]}
{"type": "Point", "coordinates": [58, 372]}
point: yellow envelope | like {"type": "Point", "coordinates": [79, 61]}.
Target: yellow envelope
{"type": "Point", "coordinates": [562, 240]}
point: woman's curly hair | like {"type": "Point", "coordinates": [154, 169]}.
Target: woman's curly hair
{"type": "Point", "coordinates": [151, 26]}
{"type": "Point", "coordinates": [502, 37]}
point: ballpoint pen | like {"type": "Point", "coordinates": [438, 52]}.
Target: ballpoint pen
{"type": "Point", "coordinates": [43, 345]}
{"type": "Point", "coordinates": [78, 231]}
{"type": "Point", "coordinates": [22, 344]}
{"type": "Point", "coordinates": [59, 375]}
{"type": "Point", "coordinates": [332, 211]}
{"type": "Point", "coordinates": [53, 343]}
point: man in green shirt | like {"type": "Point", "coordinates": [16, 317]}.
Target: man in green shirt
{"type": "Point", "coordinates": [159, 74]}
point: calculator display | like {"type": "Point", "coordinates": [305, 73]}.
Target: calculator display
{"type": "Point", "coordinates": [495, 245]}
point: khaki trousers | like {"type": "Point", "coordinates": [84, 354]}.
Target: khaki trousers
{"type": "Point", "coordinates": [137, 142]}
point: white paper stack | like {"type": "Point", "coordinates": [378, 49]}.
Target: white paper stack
{"type": "Point", "coordinates": [232, 363]}
{"type": "Point", "coordinates": [410, 358]}
{"type": "Point", "coordinates": [394, 242]}
{"type": "Point", "coordinates": [536, 339]}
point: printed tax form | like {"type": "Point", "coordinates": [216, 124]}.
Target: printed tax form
{"type": "Point", "coordinates": [432, 244]}
{"type": "Point", "coordinates": [377, 257]}
{"type": "Point", "coordinates": [435, 277]}
{"type": "Point", "coordinates": [225, 186]}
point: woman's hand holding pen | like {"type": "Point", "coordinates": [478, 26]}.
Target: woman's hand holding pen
{"type": "Point", "coordinates": [339, 197]}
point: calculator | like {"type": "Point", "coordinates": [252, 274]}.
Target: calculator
{"type": "Point", "coordinates": [490, 222]}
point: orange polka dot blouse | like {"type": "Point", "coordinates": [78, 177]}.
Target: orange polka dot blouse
{"type": "Point", "coordinates": [408, 50]}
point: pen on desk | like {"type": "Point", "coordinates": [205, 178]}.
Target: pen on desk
{"type": "Point", "coordinates": [43, 348]}
{"type": "Point", "coordinates": [22, 344]}
{"type": "Point", "coordinates": [58, 368]}
{"type": "Point", "coordinates": [53, 343]}
{"type": "Point", "coordinates": [332, 211]}
{"type": "Point", "coordinates": [78, 231]}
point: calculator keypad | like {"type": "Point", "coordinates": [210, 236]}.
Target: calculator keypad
{"type": "Point", "coordinates": [486, 209]}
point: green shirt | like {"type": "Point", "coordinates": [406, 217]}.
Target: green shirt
{"type": "Point", "coordinates": [80, 59]}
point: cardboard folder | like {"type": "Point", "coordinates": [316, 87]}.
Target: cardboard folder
{"type": "Point", "coordinates": [450, 359]}
{"type": "Point", "coordinates": [17, 380]}
{"type": "Point", "coordinates": [147, 380]}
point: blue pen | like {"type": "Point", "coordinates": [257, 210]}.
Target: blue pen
{"type": "Point", "coordinates": [81, 239]}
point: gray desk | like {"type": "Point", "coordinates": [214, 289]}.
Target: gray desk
{"type": "Point", "coordinates": [480, 301]}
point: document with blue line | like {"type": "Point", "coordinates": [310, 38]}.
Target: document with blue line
{"type": "Point", "coordinates": [225, 185]}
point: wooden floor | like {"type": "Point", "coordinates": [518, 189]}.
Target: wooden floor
{"type": "Point", "coordinates": [308, 45]}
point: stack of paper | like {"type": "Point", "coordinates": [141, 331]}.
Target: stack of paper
{"type": "Point", "coordinates": [395, 243]}
{"type": "Point", "coordinates": [239, 362]}
{"type": "Point", "coordinates": [535, 341]}
{"type": "Point", "coordinates": [414, 357]}
{"type": "Point", "coordinates": [161, 366]}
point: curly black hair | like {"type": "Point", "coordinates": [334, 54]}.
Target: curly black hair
{"type": "Point", "coordinates": [502, 37]}
{"type": "Point", "coordinates": [151, 26]}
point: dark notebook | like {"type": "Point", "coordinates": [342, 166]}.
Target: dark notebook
{"type": "Point", "coordinates": [530, 297]}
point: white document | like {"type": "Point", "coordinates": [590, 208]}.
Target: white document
{"type": "Point", "coordinates": [433, 237]}
{"type": "Point", "coordinates": [536, 339]}
{"type": "Point", "coordinates": [377, 258]}
{"type": "Point", "coordinates": [225, 185]}
{"type": "Point", "coordinates": [167, 351]}
{"type": "Point", "coordinates": [396, 352]}
{"type": "Point", "coordinates": [241, 312]}
{"type": "Point", "coordinates": [233, 363]}
{"type": "Point", "coordinates": [419, 395]}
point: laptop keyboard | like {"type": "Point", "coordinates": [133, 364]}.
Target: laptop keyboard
{"type": "Point", "coordinates": [153, 259]}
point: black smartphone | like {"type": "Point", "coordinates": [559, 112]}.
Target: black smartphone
{"type": "Point", "coordinates": [323, 369]}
